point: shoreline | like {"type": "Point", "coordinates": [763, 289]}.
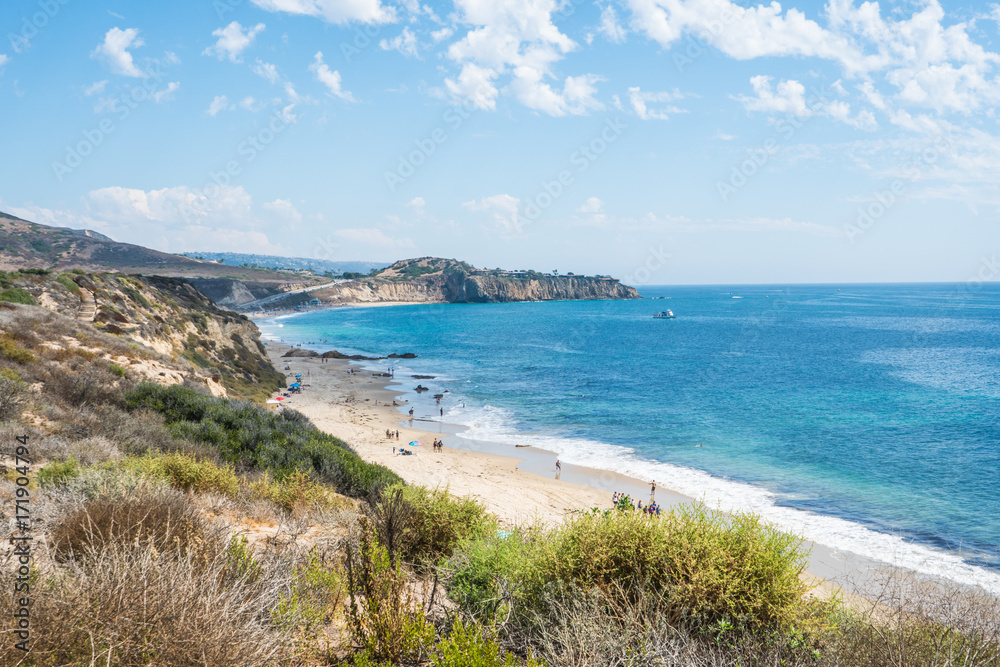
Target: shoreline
{"type": "Point", "coordinates": [358, 408]}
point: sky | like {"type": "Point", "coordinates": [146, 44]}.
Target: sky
{"type": "Point", "coordinates": [659, 141]}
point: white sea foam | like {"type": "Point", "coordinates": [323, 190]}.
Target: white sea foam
{"type": "Point", "coordinates": [497, 425]}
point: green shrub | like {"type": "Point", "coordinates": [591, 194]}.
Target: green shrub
{"type": "Point", "coordinates": [58, 472]}
{"type": "Point", "coordinates": [67, 282]}
{"type": "Point", "coordinates": [245, 434]}
{"type": "Point", "coordinates": [386, 622]}
{"type": "Point", "coordinates": [736, 570]}
{"type": "Point", "coordinates": [297, 493]}
{"type": "Point", "coordinates": [11, 350]}
{"type": "Point", "coordinates": [117, 369]}
{"type": "Point", "coordinates": [186, 472]}
{"type": "Point", "coordinates": [471, 645]}
{"type": "Point", "coordinates": [435, 522]}
{"type": "Point", "coordinates": [316, 594]}
{"type": "Point", "coordinates": [17, 295]}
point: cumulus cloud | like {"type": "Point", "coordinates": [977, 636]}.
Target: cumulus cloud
{"type": "Point", "coordinates": [503, 209]}
{"type": "Point", "coordinates": [516, 38]}
{"type": "Point", "coordinates": [182, 218]}
{"type": "Point", "coordinates": [329, 78]}
{"type": "Point", "coordinates": [333, 11]}
{"type": "Point", "coordinates": [114, 51]}
{"type": "Point", "coordinates": [405, 42]}
{"type": "Point", "coordinates": [219, 103]}
{"type": "Point", "coordinates": [232, 41]}
{"type": "Point", "coordinates": [610, 26]}
{"type": "Point", "coordinates": [641, 103]}
{"type": "Point", "coordinates": [789, 97]}
{"type": "Point", "coordinates": [266, 71]}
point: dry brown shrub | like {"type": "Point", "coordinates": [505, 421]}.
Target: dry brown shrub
{"type": "Point", "coordinates": [163, 519]}
{"type": "Point", "coordinates": [129, 606]}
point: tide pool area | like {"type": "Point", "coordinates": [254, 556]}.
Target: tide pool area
{"type": "Point", "coordinates": [863, 416]}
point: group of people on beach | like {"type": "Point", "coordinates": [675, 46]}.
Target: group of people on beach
{"type": "Point", "coordinates": [623, 501]}
{"type": "Point", "coordinates": [437, 445]}
{"type": "Point", "coordinates": [389, 434]}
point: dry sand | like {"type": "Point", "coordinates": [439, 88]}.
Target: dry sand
{"type": "Point", "coordinates": [357, 407]}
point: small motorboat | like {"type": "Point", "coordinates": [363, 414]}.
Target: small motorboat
{"type": "Point", "coordinates": [666, 314]}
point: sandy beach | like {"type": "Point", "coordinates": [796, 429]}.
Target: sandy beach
{"type": "Point", "coordinates": [357, 407]}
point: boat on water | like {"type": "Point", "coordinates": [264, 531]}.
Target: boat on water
{"type": "Point", "coordinates": [666, 314]}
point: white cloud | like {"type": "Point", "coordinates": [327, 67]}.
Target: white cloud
{"type": "Point", "coordinates": [405, 42]}
{"type": "Point", "coordinates": [252, 104]}
{"type": "Point", "coordinates": [114, 51]}
{"type": "Point", "coordinates": [284, 210]}
{"type": "Point", "coordinates": [4, 59]}
{"type": "Point", "coordinates": [266, 70]}
{"type": "Point", "coordinates": [475, 86]}
{"type": "Point", "coordinates": [722, 136]}
{"type": "Point", "coordinates": [219, 103]}
{"type": "Point", "coordinates": [640, 103]}
{"type": "Point", "coordinates": [502, 208]}
{"type": "Point", "coordinates": [516, 38]}
{"type": "Point", "coordinates": [375, 238]}
{"type": "Point", "coordinates": [167, 93]}
{"type": "Point", "coordinates": [610, 27]}
{"type": "Point", "coordinates": [329, 78]}
{"type": "Point", "coordinates": [95, 88]}
{"type": "Point", "coordinates": [181, 218]}
{"type": "Point", "coordinates": [416, 203]}
{"type": "Point", "coordinates": [790, 97]}
{"type": "Point", "coordinates": [442, 34]}
{"type": "Point", "coordinates": [232, 41]}
{"type": "Point", "coordinates": [593, 211]}
{"type": "Point", "coordinates": [333, 11]}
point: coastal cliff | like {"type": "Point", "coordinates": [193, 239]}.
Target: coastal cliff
{"type": "Point", "coordinates": [194, 341]}
{"type": "Point", "coordinates": [436, 280]}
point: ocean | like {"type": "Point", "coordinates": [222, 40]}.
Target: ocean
{"type": "Point", "coordinates": [864, 417]}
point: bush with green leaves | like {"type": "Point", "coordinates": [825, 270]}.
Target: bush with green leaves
{"type": "Point", "coordinates": [385, 618]}
{"type": "Point", "coordinates": [58, 472]}
{"type": "Point", "coordinates": [734, 569]}
{"type": "Point", "coordinates": [259, 439]}
{"type": "Point", "coordinates": [186, 472]}
{"type": "Point", "coordinates": [13, 396]}
{"type": "Point", "coordinates": [17, 295]}
{"type": "Point", "coordinates": [431, 522]}
{"type": "Point", "coordinates": [472, 645]}
{"type": "Point", "coordinates": [14, 352]}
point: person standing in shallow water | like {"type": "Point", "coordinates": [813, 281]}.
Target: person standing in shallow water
{"type": "Point", "coordinates": [558, 468]}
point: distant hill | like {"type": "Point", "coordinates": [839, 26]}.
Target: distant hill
{"type": "Point", "coordinates": [320, 266]}
{"type": "Point", "coordinates": [29, 245]}
{"type": "Point", "coordinates": [439, 280]}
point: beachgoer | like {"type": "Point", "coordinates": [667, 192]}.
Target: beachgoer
{"type": "Point", "coordinates": [397, 435]}
{"type": "Point", "coordinates": [393, 451]}
{"type": "Point", "coordinates": [652, 490]}
{"type": "Point", "coordinates": [442, 412]}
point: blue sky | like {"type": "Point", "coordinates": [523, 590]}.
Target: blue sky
{"type": "Point", "coordinates": [661, 141]}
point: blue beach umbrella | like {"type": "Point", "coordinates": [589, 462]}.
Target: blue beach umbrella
{"type": "Point", "coordinates": [415, 443]}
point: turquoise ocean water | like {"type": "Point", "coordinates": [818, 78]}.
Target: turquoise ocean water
{"type": "Point", "coordinates": [866, 417]}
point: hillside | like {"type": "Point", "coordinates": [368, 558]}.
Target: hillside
{"type": "Point", "coordinates": [25, 244]}
{"type": "Point", "coordinates": [188, 339]}
{"type": "Point", "coordinates": [437, 280]}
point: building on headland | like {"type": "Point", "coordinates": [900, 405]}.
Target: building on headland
{"type": "Point", "coordinates": [314, 302]}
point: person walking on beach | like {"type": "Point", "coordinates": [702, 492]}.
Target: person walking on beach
{"type": "Point", "coordinates": [558, 468]}
{"type": "Point", "coordinates": [442, 412]}
{"type": "Point", "coordinates": [397, 435]}
{"type": "Point", "coordinates": [411, 414]}
{"type": "Point", "coordinates": [652, 491]}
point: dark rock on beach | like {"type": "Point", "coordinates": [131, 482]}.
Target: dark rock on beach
{"type": "Point", "coordinates": [299, 352]}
